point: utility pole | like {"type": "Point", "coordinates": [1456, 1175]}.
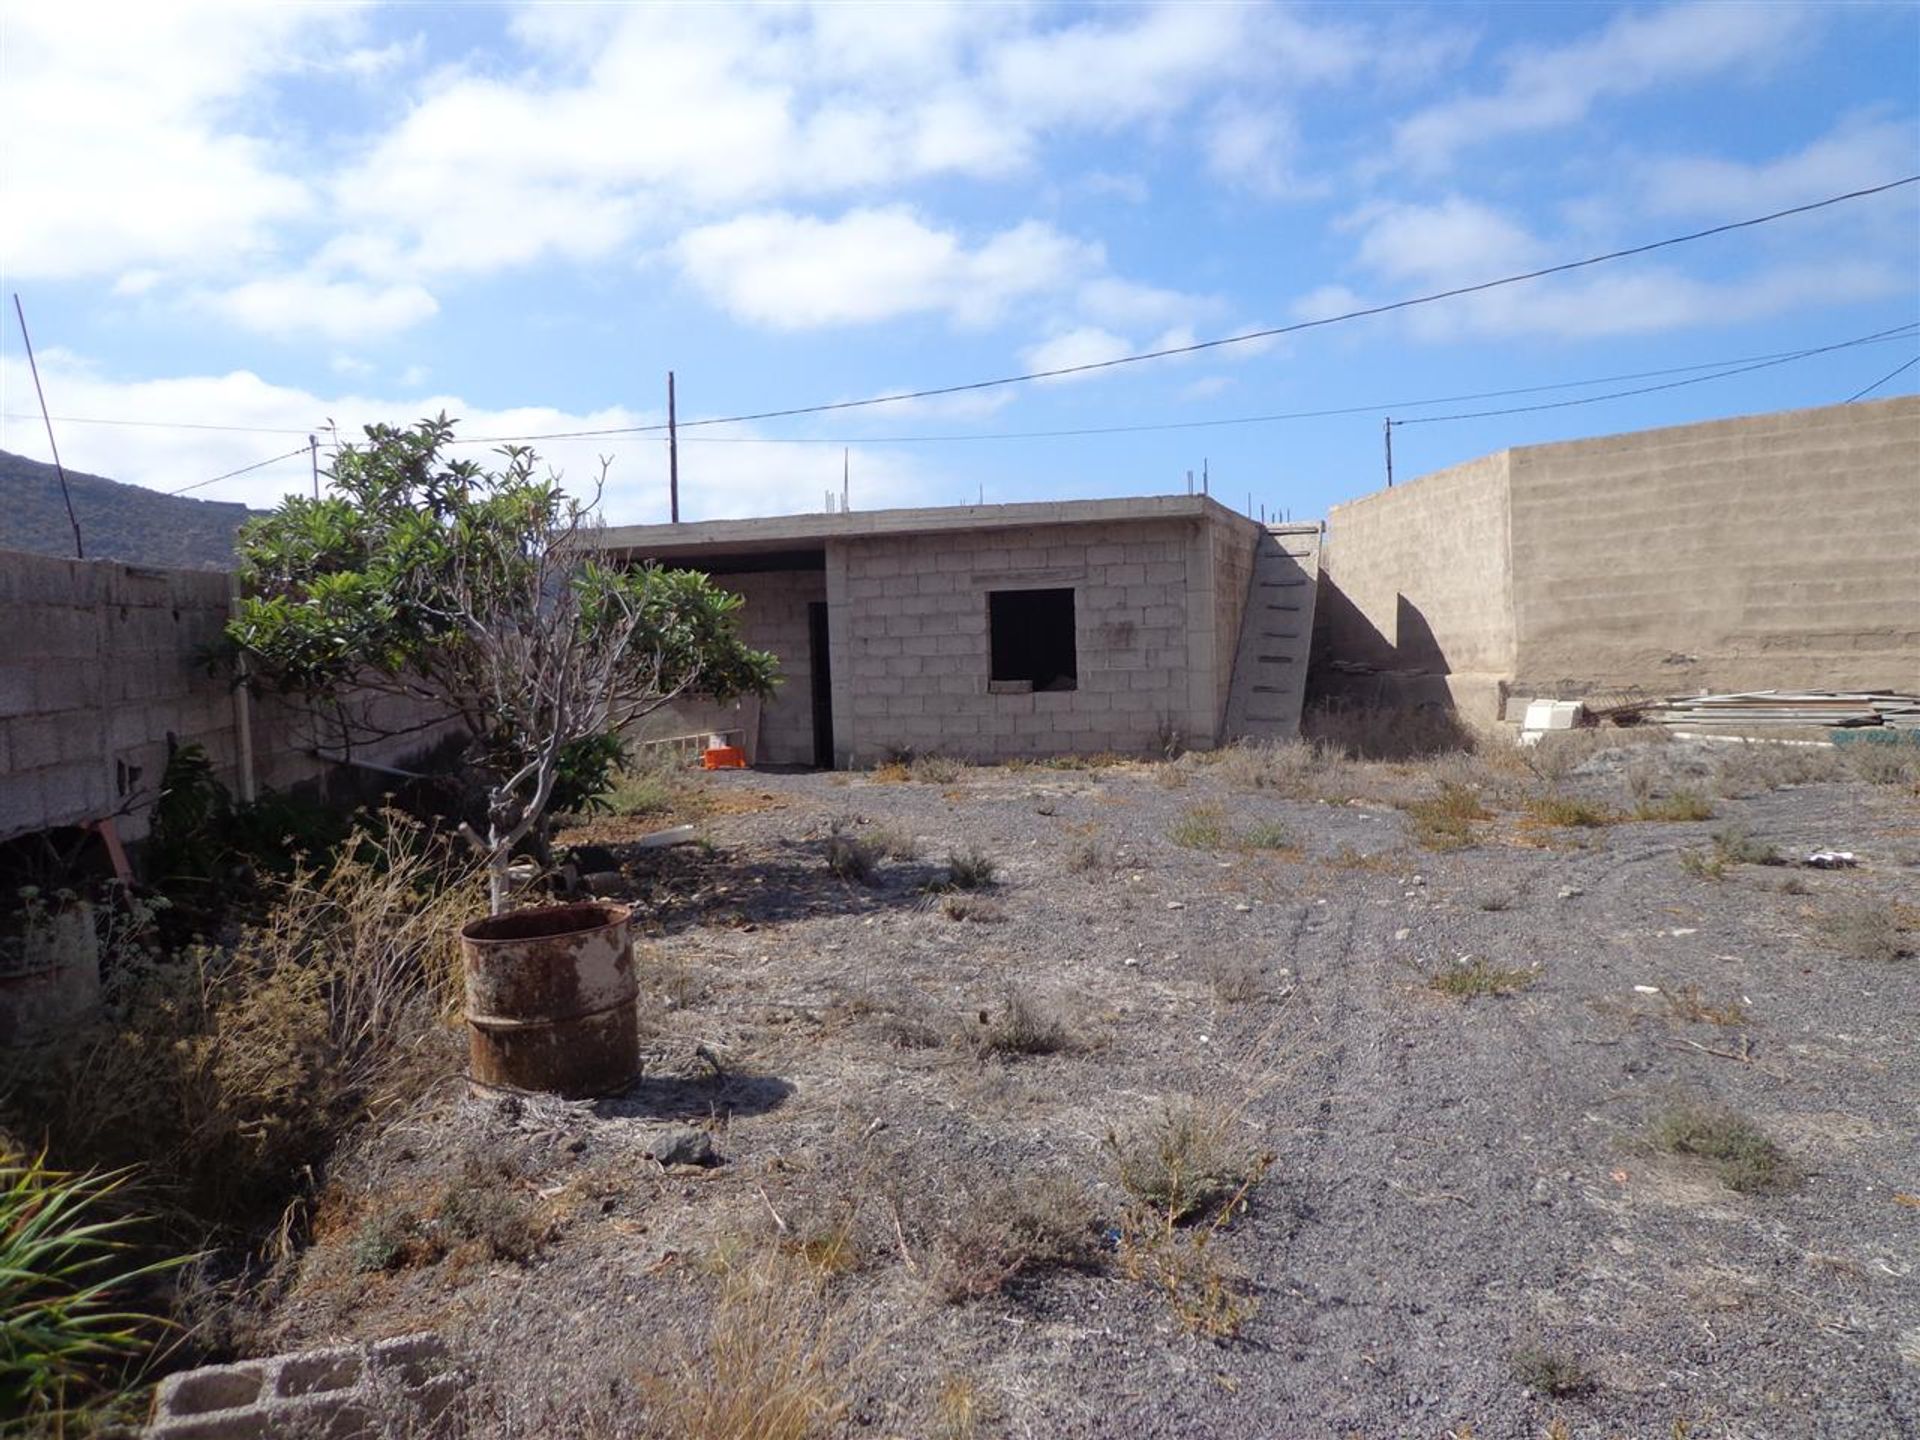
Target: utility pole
{"type": "Point", "coordinates": [1204, 477]}
{"type": "Point", "coordinates": [1387, 430]}
{"type": "Point", "coordinates": [313, 452]}
{"type": "Point", "coordinates": [846, 466]}
{"type": "Point", "coordinates": [79, 553]}
{"type": "Point", "coordinates": [673, 456]}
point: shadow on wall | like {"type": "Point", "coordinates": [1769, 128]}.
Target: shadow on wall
{"type": "Point", "coordinates": [1375, 696]}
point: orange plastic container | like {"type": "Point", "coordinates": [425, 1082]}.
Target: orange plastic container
{"type": "Point", "coordinates": [724, 757]}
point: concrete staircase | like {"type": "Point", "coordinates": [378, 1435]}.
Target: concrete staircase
{"type": "Point", "coordinates": [1276, 631]}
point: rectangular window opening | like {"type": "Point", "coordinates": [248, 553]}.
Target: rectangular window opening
{"type": "Point", "coordinates": [1032, 640]}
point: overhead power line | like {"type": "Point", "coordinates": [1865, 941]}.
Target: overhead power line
{"type": "Point", "coordinates": [1641, 390]}
{"type": "Point", "coordinates": [163, 424]}
{"type": "Point", "coordinates": [1246, 337]}
{"type": "Point", "coordinates": [257, 465]}
{"type": "Point", "coordinates": [1862, 394]}
{"type": "Point", "coordinates": [1881, 337]}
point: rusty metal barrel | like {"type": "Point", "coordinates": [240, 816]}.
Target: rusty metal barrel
{"type": "Point", "coordinates": [551, 1000]}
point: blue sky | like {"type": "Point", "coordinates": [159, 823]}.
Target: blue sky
{"type": "Point", "coordinates": [271, 216]}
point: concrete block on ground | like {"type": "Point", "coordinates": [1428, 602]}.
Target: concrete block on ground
{"type": "Point", "coordinates": [346, 1392]}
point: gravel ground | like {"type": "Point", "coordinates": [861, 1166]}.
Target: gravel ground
{"type": "Point", "coordinates": [1455, 1183]}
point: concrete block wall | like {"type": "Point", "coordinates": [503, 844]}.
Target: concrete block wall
{"type": "Point", "coordinates": [910, 644]}
{"type": "Point", "coordinates": [406, 1386]}
{"type": "Point", "coordinates": [99, 665]}
{"type": "Point", "coordinates": [1773, 551]}
{"type": "Point", "coordinates": [1233, 541]}
{"type": "Point", "coordinates": [1769, 551]}
{"type": "Point", "coordinates": [1416, 578]}
{"type": "Point", "coordinates": [774, 618]}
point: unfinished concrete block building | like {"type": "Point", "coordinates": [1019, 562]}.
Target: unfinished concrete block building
{"type": "Point", "coordinates": [997, 631]}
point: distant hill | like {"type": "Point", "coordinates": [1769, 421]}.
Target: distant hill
{"type": "Point", "coordinates": [117, 522]}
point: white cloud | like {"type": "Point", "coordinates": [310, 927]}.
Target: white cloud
{"type": "Point", "coordinates": [716, 480]}
{"type": "Point", "coordinates": [131, 140]}
{"type": "Point", "coordinates": [793, 272]}
{"type": "Point", "coordinates": [339, 310]}
{"type": "Point", "coordinates": [1637, 50]}
{"type": "Point", "coordinates": [1084, 345]}
{"type": "Point", "coordinates": [1453, 242]}
{"type": "Point", "coordinates": [1859, 153]}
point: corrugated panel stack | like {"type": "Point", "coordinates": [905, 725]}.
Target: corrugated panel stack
{"type": "Point", "coordinates": [1831, 709]}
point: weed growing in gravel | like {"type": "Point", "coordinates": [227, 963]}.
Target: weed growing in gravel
{"type": "Point", "coordinates": [1270, 835]}
{"type": "Point", "coordinates": [1864, 930]}
{"type": "Point", "coordinates": [936, 769]}
{"type": "Point", "coordinates": [1017, 1227]}
{"type": "Point", "coordinates": [1291, 767]}
{"type": "Point", "coordinates": [965, 905]}
{"type": "Point", "coordinates": [891, 844]}
{"type": "Point", "coordinates": [1089, 857]}
{"type": "Point", "coordinates": [1681, 806]}
{"type": "Point", "coordinates": [970, 869]}
{"type": "Point", "coordinates": [1236, 979]}
{"type": "Point", "coordinates": [1705, 864]}
{"type": "Point", "coordinates": [1742, 1155]}
{"type": "Point", "coordinates": [960, 1410]}
{"type": "Point", "coordinates": [1495, 900]}
{"type": "Point", "coordinates": [1685, 1002]}
{"type": "Point", "coordinates": [1022, 1026]}
{"type": "Point", "coordinates": [1570, 811]}
{"type": "Point", "coordinates": [1762, 765]}
{"type": "Point", "coordinates": [1550, 1371]}
{"type": "Point", "coordinates": [850, 859]}
{"type": "Point", "coordinates": [1185, 1161]}
{"type": "Point", "coordinates": [1201, 828]}
{"type": "Point", "coordinates": [765, 1370]}
{"type": "Point", "coordinates": [656, 785]}
{"type": "Point", "coordinates": [1169, 776]}
{"type": "Point", "coordinates": [1187, 1165]}
{"type": "Point", "coordinates": [1444, 819]}
{"type": "Point", "coordinates": [387, 1240]}
{"type": "Point", "coordinates": [1348, 858]}
{"type": "Point", "coordinates": [1473, 978]}
{"type": "Point", "coordinates": [1736, 847]}
{"type": "Point", "coordinates": [488, 1210]}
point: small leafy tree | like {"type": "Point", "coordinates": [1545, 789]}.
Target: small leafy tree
{"type": "Point", "coordinates": [481, 596]}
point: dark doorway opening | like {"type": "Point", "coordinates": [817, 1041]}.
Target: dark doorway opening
{"type": "Point", "coordinates": [822, 685]}
{"type": "Point", "coordinates": [1032, 638]}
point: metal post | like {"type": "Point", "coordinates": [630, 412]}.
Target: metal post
{"type": "Point", "coordinates": [673, 456]}
{"type": "Point", "coordinates": [1387, 429]}
{"type": "Point", "coordinates": [313, 450]}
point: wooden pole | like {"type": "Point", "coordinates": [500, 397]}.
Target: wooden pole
{"type": "Point", "coordinates": [1387, 429]}
{"type": "Point", "coordinates": [673, 456]}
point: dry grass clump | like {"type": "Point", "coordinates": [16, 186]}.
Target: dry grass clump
{"type": "Point", "coordinates": [1387, 732]}
{"type": "Point", "coordinates": [1444, 819]}
{"type": "Point", "coordinates": [961, 1410]}
{"type": "Point", "coordinates": [1090, 856]}
{"type": "Point", "coordinates": [1236, 979]}
{"type": "Point", "coordinates": [767, 1368]}
{"type": "Point", "coordinates": [1472, 978]}
{"type": "Point", "coordinates": [891, 844]}
{"type": "Point", "coordinates": [1011, 1229]}
{"type": "Point", "coordinates": [971, 906]}
{"type": "Point", "coordinates": [1741, 1154]}
{"type": "Point", "coordinates": [1686, 1002]}
{"type": "Point", "coordinates": [1186, 1160]}
{"type": "Point", "coordinates": [1884, 763]}
{"type": "Point", "coordinates": [1762, 765]}
{"type": "Point", "coordinates": [1268, 835]}
{"type": "Point", "coordinates": [232, 1072]}
{"type": "Point", "coordinates": [849, 859]}
{"type": "Point", "coordinates": [1020, 1026]}
{"type": "Point", "coordinates": [1295, 768]}
{"type": "Point", "coordinates": [656, 783]}
{"type": "Point", "coordinates": [1865, 930]}
{"type": "Point", "coordinates": [1187, 1173]}
{"type": "Point", "coordinates": [1571, 811]}
{"type": "Point", "coordinates": [970, 869]}
{"type": "Point", "coordinates": [1201, 828]}
{"type": "Point", "coordinates": [935, 769]}
{"type": "Point", "coordinates": [1679, 807]}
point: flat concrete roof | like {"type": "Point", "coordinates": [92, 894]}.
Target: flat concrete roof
{"type": "Point", "coordinates": [774, 533]}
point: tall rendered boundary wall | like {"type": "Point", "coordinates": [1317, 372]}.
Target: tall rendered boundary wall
{"type": "Point", "coordinates": [102, 665]}
{"type": "Point", "coordinates": [1773, 551]}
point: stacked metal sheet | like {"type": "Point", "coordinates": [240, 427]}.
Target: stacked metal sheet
{"type": "Point", "coordinates": [1833, 709]}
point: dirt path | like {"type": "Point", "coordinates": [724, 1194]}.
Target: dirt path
{"type": "Point", "coordinates": [1457, 1184]}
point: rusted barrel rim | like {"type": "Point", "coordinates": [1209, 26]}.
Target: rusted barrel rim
{"type": "Point", "coordinates": [546, 922]}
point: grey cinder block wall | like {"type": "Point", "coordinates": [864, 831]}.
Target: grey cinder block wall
{"type": "Point", "coordinates": [1771, 551]}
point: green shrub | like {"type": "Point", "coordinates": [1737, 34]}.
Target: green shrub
{"type": "Point", "coordinates": [1741, 1153]}
{"type": "Point", "coordinates": [66, 1270]}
